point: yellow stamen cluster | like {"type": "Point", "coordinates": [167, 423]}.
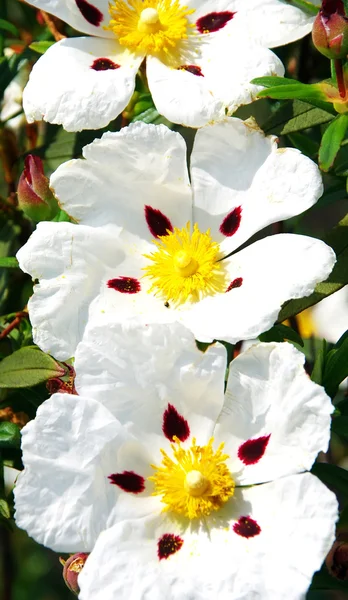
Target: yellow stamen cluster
{"type": "Point", "coordinates": [150, 26]}
{"type": "Point", "coordinates": [196, 482]}
{"type": "Point", "coordinates": [186, 266]}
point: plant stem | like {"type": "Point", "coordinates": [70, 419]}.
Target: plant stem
{"type": "Point", "coordinates": [340, 77]}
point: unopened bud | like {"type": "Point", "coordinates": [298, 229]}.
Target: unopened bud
{"type": "Point", "coordinates": [34, 195]}
{"type": "Point", "coordinates": [71, 570]}
{"type": "Point", "coordinates": [337, 560]}
{"type": "Point", "coordinates": [330, 30]}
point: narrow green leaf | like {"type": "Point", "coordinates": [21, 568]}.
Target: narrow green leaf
{"type": "Point", "coordinates": [279, 333]}
{"type": "Point", "coordinates": [7, 26]}
{"type": "Point", "coordinates": [331, 141]}
{"type": "Point", "coordinates": [27, 367]}
{"type": "Point", "coordinates": [272, 81]}
{"type": "Point", "coordinates": [41, 47]}
{"type": "Point", "coordinates": [293, 116]}
{"type": "Point", "coordinates": [299, 91]}
{"type": "Point", "coordinates": [5, 512]}
{"type": "Point", "coordinates": [318, 368]}
{"type": "Point", "coordinates": [304, 143]}
{"type": "Point", "coordinates": [8, 262]}
{"type": "Point", "coordinates": [337, 238]}
{"type": "Point", "coordinates": [307, 7]}
{"type": "Point", "coordinates": [10, 436]}
{"type": "Point", "coordinates": [148, 116]}
{"type": "Point", "coordinates": [336, 368]}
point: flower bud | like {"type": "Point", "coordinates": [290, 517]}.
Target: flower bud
{"type": "Point", "coordinates": [34, 195]}
{"type": "Point", "coordinates": [71, 569]}
{"type": "Point", "coordinates": [337, 559]}
{"type": "Point", "coordinates": [330, 30]}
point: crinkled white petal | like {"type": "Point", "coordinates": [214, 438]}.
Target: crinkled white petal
{"type": "Point", "coordinates": [273, 270]}
{"type": "Point", "coordinates": [235, 166]}
{"type": "Point", "coordinates": [136, 370]}
{"type": "Point", "coordinates": [297, 519]}
{"type": "Point", "coordinates": [330, 316]}
{"type": "Point", "coordinates": [63, 497]}
{"type": "Point", "coordinates": [80, 14]}
{"type": "Point", "coordinates": [269, 394]}
{"type": "Point", "coordinates": [123, 172]}
{"type": "Point", "coordinates": [70, 262]}
{"type": "Point", "coordinates": [63, 87]}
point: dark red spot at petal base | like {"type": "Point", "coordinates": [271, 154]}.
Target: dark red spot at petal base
{"type": "Point", "coordinates": [104, 64]}
{"type": "Point", "coordinates": [125, 285]}
{"type": "Point", "coordinates": [168, 544]}
{"type": "Point", "coordinates": [252, 450]}
{"type": "Point", "coordinates": [128, 481]}
{"type": "Point", "coordinates": [157, 222]}
{"type": "Point", "coordinates": [214, 21]}
{"type": "Point", "coordinates": [231, 223]}
{"type": "Point", "coordinates": [236, 283]}
{"type": "Point", "coordinates": [192, 69]}
{"type": "Point", "coordinates": [174, 424]}
{"type": "Point", "coordinates": [91, 13]}
{"type": "Point", "coordinates": [247, 527]}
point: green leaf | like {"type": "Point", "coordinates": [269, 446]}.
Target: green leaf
{"type": "Point", "coordinates": [8, 262]}
{"type": "Point", "coordinates": [293, 116]}
{"type": "Point", "coordinates": [27, 367]}
{"type": "Point", "coordinates": [336, 368]}
{"type": "Point", "coordinates": [304, 143]}
{"type": "Point", "coordinates": [291, 89]}
{"type": "Point", "coordinates": [148, 116]}
{"type": "Point", "coordinates": [10, 436]}
{"type": "Point", "coordinates": [41, 47]}
{"type": "Point", "coordinates": [5, 512]}
{"type": "Point", "coordinates": [7, 26]}
{"type": "Point", "coordinates": [318, 368]}
{"type": "Point", "coordinates": [279, 333]}
{"type": "Point", "coordinates": [337, 238]}
{"type": "Point", "coordinates": [331, 141]}
{"type": "Point", "coordinates": [307, 7]}
{"type": "Point", "coordinates": [334, 477]}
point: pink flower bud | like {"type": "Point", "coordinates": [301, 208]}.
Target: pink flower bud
{"type": "Point", "coordinates": [34, 195]}
{"type": "Point", "coordinates": [72, 567]}
{"type": "Point", "coordinates": [330, 30]}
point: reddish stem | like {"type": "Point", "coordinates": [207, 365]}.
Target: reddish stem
{"type": "Point", "coordinates": [16, 321]}
{"type": "Point", "coordinates": [340, 77]}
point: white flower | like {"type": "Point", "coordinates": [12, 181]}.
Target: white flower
{"type": "Point", "coordinates": [11, 103]}
{"type": "Point", "coordinates": [201, 57]}
{"type": "Point", "coordinates": [330, 316]}
{"type": "Point", "coordinates": [133, 252]}
{"type": "Point", "coordinates": [175, 486]}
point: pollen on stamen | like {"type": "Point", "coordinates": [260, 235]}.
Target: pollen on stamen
{"type": "Point", "coordinates": [214, 21]}
{"type": "Point", "coordinates": [231, 222]}
{"type": "Point", "coordinates": [125, 285]}
{"type": "Point", "coordinates": [157, 222]}
{"type": "Point", "coordinates": [91, 13]}
{"type": "Point", "coordinates": [247, 527]}
{"type": "Point", "coordinates": [174, 425]}
{"type": "Point", "coordinates": [128, 481]}
{"type": "Point", "coordinates": [253, 450]}
{"type": "Point", "coordinates": [104, 64]}
{"type": "Point", "coordinates": [168, 544]}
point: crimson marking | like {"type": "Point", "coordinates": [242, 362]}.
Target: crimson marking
{"type": "Point", "coordinates": [128, 481]}
{"type": "Point", "coordinates": [194, 69]}
{"type": "Point", "coordinates": [157, 222]}
{"type": "Point", "coordinates": [168, 544]}
{"type": "Point", "coordinates": [236, 283]}
{"type": "Point", "coordinates": [174, 424]}
{"type": "Point", "coordinates": [91, 13]}
{"type": "Point", "coordinates": [231, 222]}
{"type": "Point", "coordinates": [214, 21]}
{"type": "Point", "coordinates": [247, 527]}
{"type": "Point", "coordinates": [125, 285]}
{"type": "Point", "coordinates": [252, 450]}
{"type": "Point", "coordinates": [104, 64]}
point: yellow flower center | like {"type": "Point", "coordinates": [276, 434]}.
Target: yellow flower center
{"type": "Point", "coordinates": [186, 266]}
{"type": "Point", "coordinates": [150, 26]}
{"type": "Point", "coordinates": [196, 482]}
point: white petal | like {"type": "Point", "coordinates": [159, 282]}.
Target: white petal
{"type": "Point", "coordinates": [269, 394]}
{"type": "Point", "coordinates": [330, 316]}
{"type": "Point", "coordinates": [89, 16]}
{"type": "Point", "coordinates": [70, 261]}
{"type": "Point", "coordinates": [272, 270]}
{"type": "Point", "coordinates": [123, 172]}
{"type": "Point", "coordinates": [136, 370]}
{"type": "Point", "coordinates": [297, 519]}
{"type": "Point", "coordinates": [64, 498]}
{"type": "Point", "coordinates": [65, 89]}
{"type": "Point", "coordinates": [235, 166]}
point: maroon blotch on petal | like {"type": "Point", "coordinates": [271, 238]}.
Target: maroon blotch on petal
{"type": "Point", "coordinates": [174, 424]}
{"type": "Point", "coordinates": [247, 527]}
{"type": "Point", "coordinates": [214, 21]}
{"type": "Point", "coordinates": [231, 222]}
{"type": "Point", "coordinates": [194, 69]}
{"type": "Point", "coordinates": [128, 481]}
{"type": "Point", "coordinates": [252, 450]}
{"type": "Point", "coordinates": [168, 544]}
{"type": "Point", "coordinates": [125, 285]}
{"type": "Point", "coordinates": [157, 222]}
{"type": "Point", "coordinates": [236, 283]}
{"type": "Point", "coordinates": [91, 13]}
{"type": "Point", "coordinates": [104, 64]}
